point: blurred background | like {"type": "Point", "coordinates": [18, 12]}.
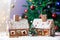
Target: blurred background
{"type": "Point", "coordinates": [4, 14]}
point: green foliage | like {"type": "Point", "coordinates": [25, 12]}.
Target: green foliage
{"type": "Point", "coordinates": [41, 5]}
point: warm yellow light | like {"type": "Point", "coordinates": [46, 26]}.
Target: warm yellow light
{"type": "Point", "coordinates": [30, 0]}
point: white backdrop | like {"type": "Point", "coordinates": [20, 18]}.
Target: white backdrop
{"type": "Point", "coordinates": [4, 13]}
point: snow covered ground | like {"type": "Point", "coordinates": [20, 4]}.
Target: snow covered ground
{"type": "Point", "coordinates": [4, 36]}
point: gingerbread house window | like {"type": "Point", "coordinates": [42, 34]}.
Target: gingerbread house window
{"type": "Point", "coordinates": [12, 32]}
{"type": "Point", "coordinates": [24, 32]}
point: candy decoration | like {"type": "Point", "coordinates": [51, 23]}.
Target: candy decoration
{"type": "Point", "coordinates": [54, 15]}
{"type": "Point", "coordinates": [26, 17]}
{"type": "Point", "coordinates": [26, 11]}
{"type": "Point", "coordinates": [39, 16]}
{"type": "Point", "coordinates": [56, 27]}
{"type": "Point", "coordinates": [32, 7]}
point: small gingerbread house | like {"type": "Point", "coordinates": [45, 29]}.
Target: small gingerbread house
{"type": "Point", "coordinates": [19, 27]}
{"type": "Point", "coordinates": [43, 28]}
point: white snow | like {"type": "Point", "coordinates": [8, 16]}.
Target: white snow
{"type": "Point", "coordinates": [37, 23]}
{"type": "Point", "coordinates": [22, 24]}
{"type": "Point", "coordinates": [3, 36]}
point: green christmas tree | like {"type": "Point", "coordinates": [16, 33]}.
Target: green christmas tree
{"type": "Point", "coordinates": [37, 7]}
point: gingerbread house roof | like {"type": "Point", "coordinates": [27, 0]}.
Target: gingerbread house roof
{"type": "Point", "coordinates": [22, 24]}
{"type": "Point", "coordinates": [37, 23]}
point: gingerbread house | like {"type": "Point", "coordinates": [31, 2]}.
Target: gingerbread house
{"type": "Point", "coordinates": [43, 28]}
{"type": "Point", "coordinates": [19, 27]}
